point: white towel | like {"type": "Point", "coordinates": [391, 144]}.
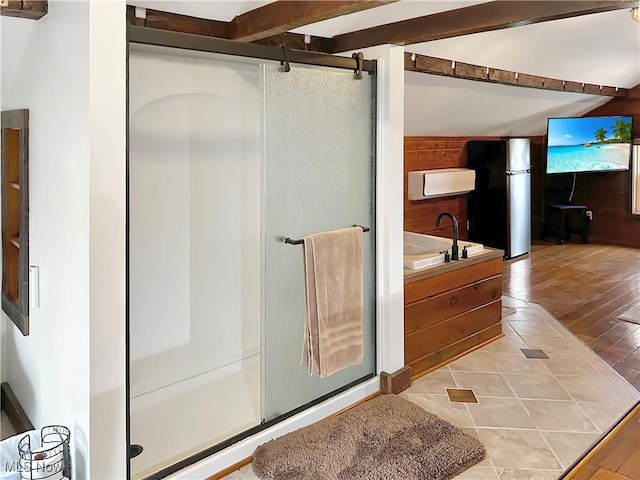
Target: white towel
{"type": "Point", "coordinates": [333, 297]}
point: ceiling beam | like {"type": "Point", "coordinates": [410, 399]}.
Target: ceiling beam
{"type": "Point", "coordinates": [31, 9]}
{"type": "Point", "coordinates": [414, 62]}
{"type": "Point", "coordinates": [478, 18]}
{"type": "Point", "coordinates": [284, 15]}
{"type": "Point", "coordinates": [215, 28]}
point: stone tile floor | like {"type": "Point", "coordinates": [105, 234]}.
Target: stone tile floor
{"type": "Point", "coordinates": [534, 416]}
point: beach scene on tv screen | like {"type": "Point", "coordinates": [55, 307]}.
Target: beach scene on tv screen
{"type": "Point", "coordinates": [588, 144]}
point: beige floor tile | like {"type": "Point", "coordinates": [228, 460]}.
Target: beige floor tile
{"type": "Point", "coordinates": [540, 310]}
{"type": "Point", "coordinates": [518, 449]}
{"type": "Point", "coordinates": [522, 474]}
{"type": "Point", "coordinates": [433, 383]}
{"type": "Point", "coordinates": [568, 447]}
{"type": "Point", "coordinates": [531, 327]}
{"type": "Point", "coordinates": [484, 384]}
{"type": "Point", "coordinates": [570, 365]}
{"type": "Point", "coordinates": [591, 389]}
{"type": "Point", "coordinates": [544, 387]}
{"type": "Point", "coordinates": [551, 344]}
{"type": "Point", "coordinates": [518, 363]}
{"type": "Point", "coordinates": [525, 313]}
{"type": "Point", "coordinates": [603, 415]}
{"type": "Point", "coordinates": [499, 412]}
{"type": "Point", "coordinates": [562, 330]}
{"type": "Point", "coordinates": [508, 344]}
{"type": "Point", "coordinates": [456, 413]}
{"type": "Point", "coordinates": [624, 387]}
{"type": "Point", "coordinates": [478, 472]}
{"type": "Point", "coordinates": [629, 391]}
{"type": "Point", "coordinates": [508, 330]}
{"type": "Point", "coordinates": [478, 361]}
{"type": "Point", "coordinates": [513, 302]}
{"type": "Point", "coordinates": [474, 433]}
{"type": "Point", "coordinates": [564, 416]}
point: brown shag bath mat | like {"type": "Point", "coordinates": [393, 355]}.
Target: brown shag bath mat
{"type": "Point", "coordinates": [382, 439]}
{"type": "Point", "coordinates": [507, 310]}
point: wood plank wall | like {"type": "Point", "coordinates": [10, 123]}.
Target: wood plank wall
{"type": "Point", "coordinates": [428, 153]}
{"type": "Point", "coordinates": [609, 194]}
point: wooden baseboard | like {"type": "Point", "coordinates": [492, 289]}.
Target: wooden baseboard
{"type": "Point", "coordinates": [15, 413]}
{"type": "Point", "coordinates": [395, 382]}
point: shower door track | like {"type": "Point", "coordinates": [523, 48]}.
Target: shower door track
{"type": "Point", "coordinates": [251, 431]}
{"type": "Point", "coordinates": [201, 43]}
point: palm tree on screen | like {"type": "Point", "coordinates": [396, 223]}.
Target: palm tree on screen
{"type": "Point", "coordinates": [601, 135]}
{"type": "Point", "coordinates": [622, 130]}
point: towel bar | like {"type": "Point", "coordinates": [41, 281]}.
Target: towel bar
{"type": "Point", "coordinates": [291, 241]}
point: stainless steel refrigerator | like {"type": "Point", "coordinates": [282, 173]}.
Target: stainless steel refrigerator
{"type": "Point", "coordinates": [499, 209]}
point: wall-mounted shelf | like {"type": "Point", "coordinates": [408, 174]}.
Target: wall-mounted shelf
{"type": "Point", "coordinates": [15, 217]}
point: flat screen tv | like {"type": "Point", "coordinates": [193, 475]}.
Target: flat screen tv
{"type": "Point", "coordinates": [588, 144]}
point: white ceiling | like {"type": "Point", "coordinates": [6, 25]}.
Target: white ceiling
{"type": "Point", "coordinates": [602, 48]}
{"type": "Point", "coordinates": [223, 10]}
{"type": "Point", "coordinates": [393, 12]}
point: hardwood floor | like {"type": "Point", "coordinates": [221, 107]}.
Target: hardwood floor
{"type": "Point", "coordinates": [617, 457]}
{"type": "Point", "coordinates": [586, 287]}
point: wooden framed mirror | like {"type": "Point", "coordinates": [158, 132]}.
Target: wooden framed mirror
{"type": "Point", "coordinates": [15, 217]}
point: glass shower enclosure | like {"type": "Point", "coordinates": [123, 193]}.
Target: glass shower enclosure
{"type": "Point", "coordinates": [227, 157]}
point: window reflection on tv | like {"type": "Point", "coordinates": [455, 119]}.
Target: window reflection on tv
{"type": "Point", "coordinates": [588, 144]}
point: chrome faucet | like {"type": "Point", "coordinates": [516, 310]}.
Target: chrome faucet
{"type": "Point", "coordinates": [454, 248]}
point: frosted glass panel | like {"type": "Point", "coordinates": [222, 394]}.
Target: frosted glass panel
{"type": "Point", "coordinates": [319, 176]}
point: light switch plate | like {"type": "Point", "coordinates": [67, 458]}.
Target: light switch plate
{"type": "Point", "coordinates": [34, 287]}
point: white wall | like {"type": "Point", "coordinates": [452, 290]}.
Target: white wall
{"type": "Point", "coordinates": [49, 369]}
{"type": "Point", "coordinates": [107, 205]}
{"type": "Point", "coordinates": [68, 69]}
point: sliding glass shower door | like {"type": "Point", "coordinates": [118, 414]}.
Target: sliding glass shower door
{"type": "Point", "coordinates": [319, 175]}
{"type": "Point", "coordinates": [228, 156]}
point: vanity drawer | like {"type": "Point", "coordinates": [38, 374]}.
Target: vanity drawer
{"type": "Point", "coordinates": [449, 280]}
{"type": "Point", "coordinates": [449, 304]}
{"type": "Point", "coordinates": [437, 337]}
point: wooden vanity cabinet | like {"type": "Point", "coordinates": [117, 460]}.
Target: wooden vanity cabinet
{"type": "Point", "coordinates": [451, 312]}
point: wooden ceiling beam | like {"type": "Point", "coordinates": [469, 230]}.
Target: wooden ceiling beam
{"type": "Point", "coordinates": [414, 62]}
{"type": "Point", "coordinates": [284, 15]}
{"type": "Point", "coordinates": [215, 28]}
{"type": "Point", "coordinates": [31, 9]}
{"type": "Point", "coordinates": [478, 18]}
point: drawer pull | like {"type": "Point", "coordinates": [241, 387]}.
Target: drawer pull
{"type": "Point", "coordinates": [453, 301]}
{"type": "Point", "coordinates": [494, 292]}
